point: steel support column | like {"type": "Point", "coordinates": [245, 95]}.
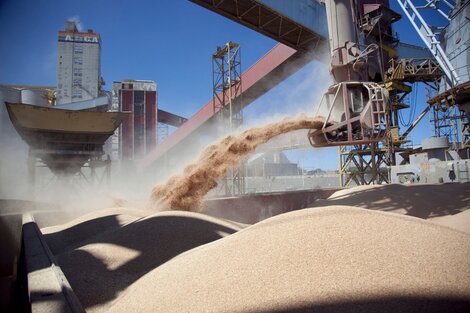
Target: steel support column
{"type": "Point", "coordinates": [362, 165]}
{"type": "Point", "coordinates": [228, 105]}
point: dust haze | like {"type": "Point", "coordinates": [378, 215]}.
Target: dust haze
{"type": "Point", "coordinates": [186, 191]}
{"type": "Point", "coordinates": [130, 187]}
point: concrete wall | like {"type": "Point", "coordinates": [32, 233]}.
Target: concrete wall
{"type": "Point", "coordinates": [250, 209]}
{"type": "Point", "coordinates": [289, 183]}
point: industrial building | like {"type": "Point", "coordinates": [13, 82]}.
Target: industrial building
{"type": "Point", "coordinates": [270, 164]}
{"type": "Point", "coordinates": [138, 133]}
{"type": "Point", "coordinates": [394, 65]}
{"type": "Point", "coordinates": [445, 157]}
{"type": "Point", "coordinates": [302, 36]}
{"type": "Point", "coordinates": [371, 254]}
{"type": "Point", "coordinates": [66, 126]}
{"type": "Point", "coordinates": [78, 65]}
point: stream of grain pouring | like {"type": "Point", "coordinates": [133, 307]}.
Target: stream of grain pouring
{"type": "Point", "coordinates": [187, 190]}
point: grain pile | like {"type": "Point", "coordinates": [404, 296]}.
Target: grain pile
{"type": "Point", "coordinates": [186, 191]}
{"type": "Point", "coordinates": [100, 268]}
{"type": "Point", "coordinates": [326, 259]}
{"type": "Point", "coordinates": [423, 201]}
{"type": "Point", "coordinates": [332, 259]}
{"type": "Point", "coordinates": [65, 237]}
{"type": "Point", "coordinates": [459, 221]}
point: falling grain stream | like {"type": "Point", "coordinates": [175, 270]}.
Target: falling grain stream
{"type": "Point", "coordinates": [186, 191]}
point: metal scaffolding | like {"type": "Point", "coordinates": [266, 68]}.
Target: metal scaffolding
{"type": "Point", "coordinates": [429, 35]}
{"type": "Point", "coordinates": [400, 74]}
{"type": "Point", "coordinates": [444, 122]}
{"type": "Point", "coordinates": [367, 164]}
{"type": "Point", "coordinates": [449, 119]}
{"type": "Point", "coordinates": [228, 105]}
{"type": "Point", "coordinates": [362, 165]}
{"type": "Point", "coordinates": [465, 130]}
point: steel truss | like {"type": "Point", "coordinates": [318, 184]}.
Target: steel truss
{"type": "Point", "coordinates": [363, 165]}
{"type": "Point", "coordinates": [257, 16]}
{"type": "Point", "coordinates": [465, 130]}
{"type": "Point", "coordinates": [445, 123]}
{"type": "Point", "coordinates": [228, 105]}
{"type": "Point", "coordinates": [430, 37]}
{"type": "Point", "coordinates": [366, 163]}
{"type": "Point", "coordinates": [413, 70]}
{"type": "Point", "coordinates": [448, 117]}
{"type": "Point", "coordinates": [400, 73]}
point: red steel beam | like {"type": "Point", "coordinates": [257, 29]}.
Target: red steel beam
{"type": "Point", "coordinates": [279, 63]}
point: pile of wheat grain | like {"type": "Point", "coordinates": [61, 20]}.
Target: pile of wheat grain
{"type": "Point", "coordinates": [331, 259]}
{"type": "Point", "coordinates": [101, 257]}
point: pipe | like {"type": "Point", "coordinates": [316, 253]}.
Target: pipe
{"type": "Point", "coordinates": [415, 122]}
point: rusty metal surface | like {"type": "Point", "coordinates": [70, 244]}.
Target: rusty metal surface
{"type": "Point", "coordinates": [253, 208]}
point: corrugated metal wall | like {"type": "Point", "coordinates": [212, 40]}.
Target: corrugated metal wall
{"type": "Point", "coordinates": [457, 42]}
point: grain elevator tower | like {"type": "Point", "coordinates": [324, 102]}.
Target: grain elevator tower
{"type": "Point", "coordinates": [78, 65]}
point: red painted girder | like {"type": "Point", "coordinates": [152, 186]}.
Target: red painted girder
{"type": "Point", "coordinates": [255, 80]}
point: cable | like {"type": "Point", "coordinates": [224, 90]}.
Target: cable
{"type": "Point", "coordinates": [412, 99]}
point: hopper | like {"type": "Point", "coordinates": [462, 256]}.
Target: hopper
{"type": "Point", "coordinates": [63, 139]}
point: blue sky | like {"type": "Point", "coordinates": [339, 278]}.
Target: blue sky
{"type": "Point", "coordinates": [168, 41]}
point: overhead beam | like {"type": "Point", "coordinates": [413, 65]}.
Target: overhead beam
{"type": "Point", "coordinates": [299, 24]}
{"type": "Point", "coordinates": [300, 27]}
{"type": "Point", "coordinates": [278, 64]}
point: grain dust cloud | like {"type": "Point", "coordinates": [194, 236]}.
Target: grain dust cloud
{"type": "Point", "coordinates": [187, 190]}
